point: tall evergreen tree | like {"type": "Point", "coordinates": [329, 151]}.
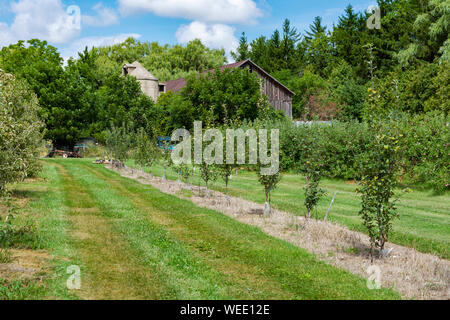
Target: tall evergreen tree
{"type": "Point", "coordinates": [259, 52]}
{"type": "Point", "coordinates": [431, 29]}
{"type": "Point", "coordinates": [347, 37]}
{"type": "Point", "coordinates": [242, 52]}
{"type": "Point", "coordinates": [315, 29]}
{"type": "Point", "coordinates": [289, 42]}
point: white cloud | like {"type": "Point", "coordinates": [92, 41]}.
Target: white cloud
{"type": "Point", "coordinates": [80, 44]}
{"type": "Point", "coordinates": [6, 36]}
{"type": "Point", "coordinates": [105, 17]}
{"type": "Point", "coordinates": [43, 19]}
{"type": "Point", "coordinates": [212, 11]}
{"type": "Point", "coordinates": [214, 36]}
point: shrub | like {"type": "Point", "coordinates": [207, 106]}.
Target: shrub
{"type": "Point", "coordinates": [425, 150]}
{"type": "Point", "coordinates": [20, 131]}
{"type": "Point", "coordinates": [424, 147]}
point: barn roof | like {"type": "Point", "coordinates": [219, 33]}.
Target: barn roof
{"type": "Point", "coordinates": [178, 84]}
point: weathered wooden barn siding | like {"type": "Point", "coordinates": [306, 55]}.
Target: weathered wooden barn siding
{"type": "Point", "coordinates": [279, 97]}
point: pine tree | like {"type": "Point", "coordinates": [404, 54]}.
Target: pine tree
{"type": "Point", "coordinates": [316, 29]}
{"type": "Point", "coordinates": [291, 37]}
{"type": "Point", "coordinates": [242, 52]}
{"type": "Point", "coordinates": [260, 52]}
{"type": "Point", "coordinates": [430, 39]}
{"type": "Point", "coordinates": [347, 37]}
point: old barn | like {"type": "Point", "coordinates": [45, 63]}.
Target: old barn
{"type": "Point", "coordinates": [279, 96]}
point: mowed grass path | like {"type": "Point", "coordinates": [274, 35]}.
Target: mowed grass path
{"type": "Point", "coordinates": [132, 241]}
{"type": "Point", "coordinates": [424, 221]}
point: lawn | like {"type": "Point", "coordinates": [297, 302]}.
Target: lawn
{"type": "Point", "coordinates": [424, 221]}
{"type": "Point", "coordinates": [133, 241]}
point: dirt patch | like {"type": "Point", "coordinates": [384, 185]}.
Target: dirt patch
{"type": "Point", "coordinates": [26, 264]}
{"type": "Point", "coordinates": [414, 274]}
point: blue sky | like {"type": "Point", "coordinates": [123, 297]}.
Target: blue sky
{"type": "Point", "coordinates": [218, 23]}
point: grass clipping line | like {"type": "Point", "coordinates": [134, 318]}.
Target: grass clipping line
{"type": "Point", "coordinates": [413, 274]}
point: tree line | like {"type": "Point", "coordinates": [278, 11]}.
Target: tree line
{"type": "Point", "coordinates": [331, 70]}
{"type": "Point", "coordinates": [334, 74]}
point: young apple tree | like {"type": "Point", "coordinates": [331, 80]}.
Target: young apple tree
{"type": "Point", "coordinates": [268, 175]}
{"type": "Point", "coordinates": [147, 151]}
{"type": "Point", "coordinates": [119, 142]}
{"type": "Point", "coordinates": [379, 179]}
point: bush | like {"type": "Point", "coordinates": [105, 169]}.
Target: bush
{"type": "Point", "coordinates": [424, 148]}
{"type": "Point", "coordinates": [20, 131]}
{"type": "Point", "coordinates": [337, 144]}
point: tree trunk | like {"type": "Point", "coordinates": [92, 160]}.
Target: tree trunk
{"type": "Point", "coordinates": [371, 252]}
{"type": "Point", "coordinates": [267, 209]}
{"type": "Point", "coordinates": [380, 226]}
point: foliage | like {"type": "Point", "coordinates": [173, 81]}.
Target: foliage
{"type": "Point", "coordinates": [173, 112]}
{"type": "Point", "coordinates": [165, 161]}
{"type": "Point", "coordinates": [147, 151]}
{"type": "Point", "coordinates": [220, 97]}
{"type": "Point", "coordinates": [424, 147]}
{"type": "Point", "coordinates": [119, 142]}
{"type": "Point", "coordinates": [225, 170]}
{"type": "Point", "coordinates": [305, 87]}
{"type": "Point", "coordinates": [208, 173]}
{"type": "Point", "coordinates": [82, 99]}
{"type": "Point", "coordinates": [242, 52]}
{"type": "Point", "coordinates": [164, 61]}
{"type": "Point", "coordinates": [379, 179]}
{"type": "Point", "coordinates": [349, 95]}
{"type": "Point", "coordinates": [425, 150]}
{"type": "Point", "coordinates": [312, 172]}
{"type": "Point", "coordinates": [186, 173]}
{"type": "Point", "coordinates": [20, 131]}
{"type": "Point", "coordinates": [40, 65]}
{"type": "Point", "coordinates": [434, 25]}
{"type": "Point", "coordinates": [268, 181]}
{"type": "Point", "coordinates": [418, 90]}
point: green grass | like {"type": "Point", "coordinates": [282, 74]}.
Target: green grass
{"type": "Point", "coordinates": [42, 225]}
{"type": "Point", "coordinates": [21, 290]}
{"type": "Point", "coordinates": [424, 221]}
{"type": "Point", "coordinates": [133, 241]}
